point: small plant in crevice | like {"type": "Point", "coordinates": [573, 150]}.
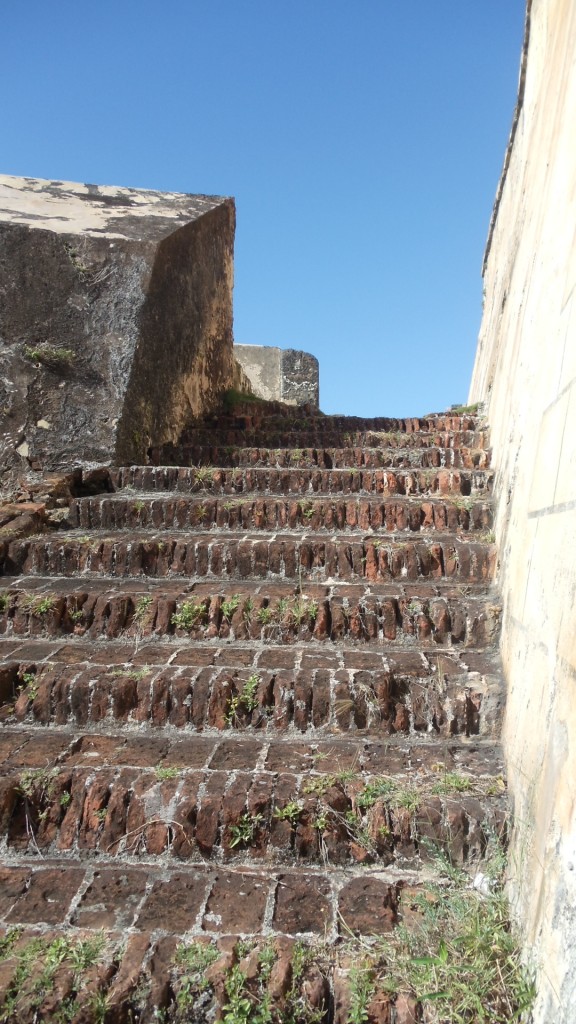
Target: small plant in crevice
{"type": "Point", "coordinates": [37, 784]}
{"type": "Point", "coordinates": [245, 701]}
{"type": "Point", "coordinates": [50, 355]}
{"type": "Point", "coordinates": [192, 960]}
{"type": "Point", "coordinates": [40, 606]}
{"type": "Point", "coordinates": [136, 674]}
{"type": "Point", "coordinates": [244, 831]}
{"type": "Point", "coordinates": [290, 812]}
{"type": "Point", "coordinates": [362, 987]}
{"type": "Point", "coordinates": [165, 771]}
{"type": "Point", "coordinates": [229, 606]}
{"type": "Point", "coordinates": [203, 476]}
{"type": "Point", "coordinates": [265, 615]}
{"type": "Point", "coordinates": [188, 615]}
{"type": "Point", "coordinates": [142, 608]}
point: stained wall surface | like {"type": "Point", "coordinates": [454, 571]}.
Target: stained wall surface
{"type": "Point", "coordinates": [526, 373]}
{"type": "Point", "coordinates": [282, 375]}
{"type": "Point", "coordinates": [115, 319]}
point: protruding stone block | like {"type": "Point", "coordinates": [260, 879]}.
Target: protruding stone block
{"type": "Point", "coordinates": [115, 319]}
{"type": "Point", "coordinates": [282, 375]}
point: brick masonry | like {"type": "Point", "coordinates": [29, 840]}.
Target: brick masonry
{"type": "Point", "coordinates": [235, 686]}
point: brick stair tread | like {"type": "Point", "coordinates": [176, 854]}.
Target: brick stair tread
{"type": "Point", "coordinates": [201, 689]}
{"type": "Point", "coordinates": [247, 432]}
{"type": "Point", "coordinates": [421, 589]}
{"type": "Point", "coordinates": [145, 796]}
{"type": "Point", "coordinates": [179, 651]}
{"type": "Point", "coordinates": [442, 481]}
{"type": "Point", "coordinates": [199, 900]}
{"type": "Point", "coordinates": [435, 616]}
{"type": "Point", "coordinates": [466, 453]}
{"type": "Point", "coordinates": [272, 414]}
{"type": "Point", "coordinates": [240, 554]}
{"type": "Point", "coordinates": [197, 817]}
{"type": "Point", "coordinates": [25, 746]}
{"type": "Point", "coordinates": [338, 515]}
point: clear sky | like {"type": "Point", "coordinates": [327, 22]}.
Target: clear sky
{"type": "Point", "coordinates": [362, 141]}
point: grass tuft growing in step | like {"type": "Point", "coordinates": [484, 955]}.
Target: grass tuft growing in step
{"type": "Point", "coordinates": [459, 958]}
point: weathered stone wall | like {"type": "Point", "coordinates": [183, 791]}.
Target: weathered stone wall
{"type": "Point", "coordinates": [281, 375]}
{"type": "Point", "coordinates": [526, 371]}
{"type": "Point", "coordinates": [115, 319]}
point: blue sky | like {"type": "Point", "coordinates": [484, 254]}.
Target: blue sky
{"type": "Point", "coordinates": [363, 143]}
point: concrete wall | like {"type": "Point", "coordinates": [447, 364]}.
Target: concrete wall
{"type": "Point", "coordinates": [526, 372]}
{"type": "Point", "coordinates": [281, 375]}
{"type": "Point", "coordinates": [115, 319]}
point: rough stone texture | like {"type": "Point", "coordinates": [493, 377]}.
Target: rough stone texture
{"type": "Point", "coordinates": [283, 375]}
{"type": "Point", "coordinates": [526, 373]}
{"type": "Point", "coordinates": [115, 319]}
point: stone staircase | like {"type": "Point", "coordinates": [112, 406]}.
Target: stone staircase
{"type": "Point", "coordinates": [247, 694]}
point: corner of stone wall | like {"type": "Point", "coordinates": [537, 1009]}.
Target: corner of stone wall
{"type": "Point", "coordinates": [281, 375]}
{"type": "Point", "coordinates": [116, 324]}
{"type": "Point", "coordinates": [184, 359]}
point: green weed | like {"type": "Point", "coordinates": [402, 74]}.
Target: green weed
{"type": "Point", "coordinates": [460, 958]}
{"type": "Point", "coordinates": [361, 981]}
{"type": "Point", "coordinates": [142, 607]}
{"type": "Point", "coordinates": [50, 355]}
{"type": "Point", "coordinates": [164, 771]}
{"type": "Point", "coordinates": [246, 700]}
{"type": "Point", "coordinates": [37, 784]}
{"type": "Point", "coordinates": [265, 615]}
{"type": "Point", "coordinates": [243, 833]}
{"type": "Point", "coordinates": [188, 615]}
{"type": "Point", "coordinates": [229, 606]}
{"type": "Point", "coordinates": [290, 812]}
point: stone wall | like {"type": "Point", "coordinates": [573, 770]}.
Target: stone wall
{"type": "Point", "coordinates": [526, 372]}
{"type": "Point", "coordinates": [115, 319]}
{"type": "Point", "coordinates": [281, 375]}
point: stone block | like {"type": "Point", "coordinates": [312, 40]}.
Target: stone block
{"type": "Point", "coordinates": [116, 319]}
{"type": "Point", "coordinates": [283, 375]}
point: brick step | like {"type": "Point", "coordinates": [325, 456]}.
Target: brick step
{"type": "Point", "coordinates": [214, 480]}
{"type": "Point", "coordinates": [291, 417]}
{"type": "Point", "coordinates": [472, 442]}
{"type": "Point", "coordinates": [404, 692]}
{"type": "Point", "coordinates": [241, 430]}
{"type": "Point", "coordinates": [266, 557]}
{"type": "Point", "coordinates": [178, 512]}
{"type": "Point", "coordinates": [431, 616]}
{"type": "Point", "coordinates": [426, 450]}
{"type": "Point", "coordinates": [230, 810]}
{"type": "Point", "coordinates": [79, 972]}
{"type": "Point", "coordinates": [198, 900]}
{"type": "Point", "coordinates": [136, 652]}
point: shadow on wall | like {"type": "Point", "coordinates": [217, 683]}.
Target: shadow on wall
{"type": "Point", "coordinates": [184, 358]}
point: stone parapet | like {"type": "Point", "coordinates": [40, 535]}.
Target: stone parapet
{"type": "Point", "coordinates": [115, 320]}
{"type": "Point", "coordinates": [282, 375]}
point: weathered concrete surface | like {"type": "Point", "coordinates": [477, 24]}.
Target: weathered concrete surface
{"type": "Point", "coordinates": [526, 371]}
{"type": "Point", "coordinates": [282, 375]}
{"type": "Point", "coordinates": [115, 319]}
